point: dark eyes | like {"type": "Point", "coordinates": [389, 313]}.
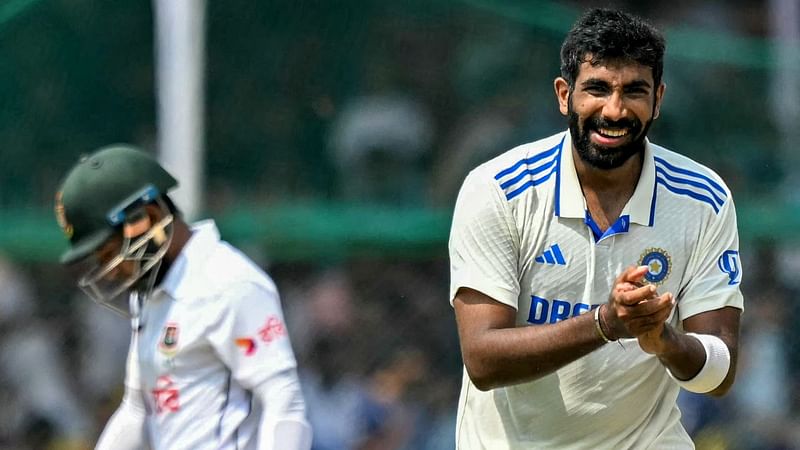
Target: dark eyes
{"type": "Point", "coordinates": [637, 91]}
{"type": "Point", "coordinates": [596, 89]}
{"type": "Point", "coordinates": [602, 90]}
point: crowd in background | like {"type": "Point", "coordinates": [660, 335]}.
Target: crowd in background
{"type": "Point", "coordinates": [378, 355]}
{"type": "Point", "coordinates": [394, 107]}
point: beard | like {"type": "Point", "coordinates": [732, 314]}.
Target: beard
{"type": "Point", "coordinates": [601, 157]}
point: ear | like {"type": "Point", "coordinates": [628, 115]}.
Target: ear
{"type": "Point", "coordinates": [561, 87]}
{"type": "Point", "coordinates": [659, 97]}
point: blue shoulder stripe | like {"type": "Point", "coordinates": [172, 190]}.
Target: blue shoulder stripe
{"type": "Point", "coordinates": [686, 181]}
{"type": "Point", "coordinates": [528, 161]}
{"type": "Point", "coordinates": [524, 171]}
{"type": "Point", "coordinates": [688, 193]}
{"type": "Point", "coordinates": [530, 172]}
{"type": "Point", "coordinates": [690, 173]}
{"type": "Point", "coordinates": [529, 183]}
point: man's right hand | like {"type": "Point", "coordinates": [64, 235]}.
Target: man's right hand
{"type": "Point", "coordinates": [634, 307]}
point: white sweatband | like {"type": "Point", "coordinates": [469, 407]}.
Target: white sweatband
{"type": "Point", "coordinates": [715, 369]}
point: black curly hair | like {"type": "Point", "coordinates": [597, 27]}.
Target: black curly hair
{"type": "Point", "coordinates": [605, 35]}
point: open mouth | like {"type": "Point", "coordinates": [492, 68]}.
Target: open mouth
{"type": "Point", "coordinates": [610, 137]}
{"type": "Point", "coordinates": [612, 132]}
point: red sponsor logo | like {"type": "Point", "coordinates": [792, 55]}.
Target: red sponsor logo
{"type": "Point", "coordinates": [272, 329]}
{"type": "Point", "coordinates": [247, 345]}
{"type": "Point", "coordinates": [166, 396]}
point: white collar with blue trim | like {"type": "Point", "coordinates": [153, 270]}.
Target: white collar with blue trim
{"type": "Point", "coordinates": [569, 196]}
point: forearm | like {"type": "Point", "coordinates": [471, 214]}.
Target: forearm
{"type": "Point", "coordinates": [283, 421]}
{"type": "Point", "coordinates": [683, 355]}
{"type": "Point", "coordinates": [690, 361]}
{"type": "Point", "coordinates": [126, 428]}
{"type": "Point", "coordinates": [505, 356]}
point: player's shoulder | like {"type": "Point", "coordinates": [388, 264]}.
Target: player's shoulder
{"type": "Point", "coordinates": [672, 166]}
{"type": "Point", "coordinates": [227, 270]}
{"type": "Point", "coordinates": [531, 161]}
{"type": "Point", "coordinates": [238, 267]}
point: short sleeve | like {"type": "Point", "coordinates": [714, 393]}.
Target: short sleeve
{"type": "Point", "coordinates": [716, 272]}
{"type": "Point", "coordinates": [484, 243]}
{"type": "Point", "coordinates": [249, 334]}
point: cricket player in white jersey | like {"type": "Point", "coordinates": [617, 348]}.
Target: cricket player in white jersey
{"type": "Point", "coordinates": [210, 364]}
{"type": "Point", "coordinates": [593, 273]}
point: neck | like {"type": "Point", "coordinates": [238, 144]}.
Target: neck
{"type": "Point", "coordinates": [180, 236]}
{"type": "Point", "coordinates": [620, 180]}
{"type": "Point", "coordinates": [607, 191]}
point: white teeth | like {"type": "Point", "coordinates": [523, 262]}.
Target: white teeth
{"type": "Point", "coordinates": [613, 133]}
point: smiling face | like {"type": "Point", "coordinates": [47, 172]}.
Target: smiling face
{"type": "Point", "coordinates": [610, 110]}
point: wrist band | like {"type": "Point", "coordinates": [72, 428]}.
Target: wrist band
{"type": "Point", "coordinates": [715, 369]}
{"type": "Point", "coordinates": [599, 327]}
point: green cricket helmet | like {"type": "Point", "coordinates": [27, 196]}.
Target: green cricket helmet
{"type": "Point", "coordinates": [105, 195]}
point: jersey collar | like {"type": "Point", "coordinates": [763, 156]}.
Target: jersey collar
{"type": "Point", "coordinates": [570, 203]}
{"type": "Point", "coordinates": [178, 281]}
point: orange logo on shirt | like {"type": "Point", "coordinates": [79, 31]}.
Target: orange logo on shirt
{"type": "Point", "coordinates": [246, 344]}
{"type": "Point", "coordinates": [272, 329]}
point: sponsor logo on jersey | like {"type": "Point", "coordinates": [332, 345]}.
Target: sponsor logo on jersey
{"type": "Point", "coordinates": [659, 265]}
{"type": "Point", "coordinates": [272, 329]}
{"type": "Point", "coordinates": [552, 255]}
{"type": "Point", "coordinates": [552, 311]}
{"type": "Point", "coordinates": [247, 345]}
{"type": "Point", "coordinates": [166, 396]}
{"type": "Point", "coordinates": [168, 344]}
{"type": "Point", "coordinates": [728, 263]}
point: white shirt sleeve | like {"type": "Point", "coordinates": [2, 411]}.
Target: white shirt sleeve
{"type": "Point", "coordinates": [484, 242]}
{"type": "Point", "coordinates": [249, 334]}
{"type": "Point", "coordinates": [283, 421]}
{"type": "Point", "coordinates": [126, 428]}
{"type": "Point", "coordinates": [715, 268]}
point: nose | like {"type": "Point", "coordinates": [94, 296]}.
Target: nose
{"type": "Point", "coordinates": [614, 107]}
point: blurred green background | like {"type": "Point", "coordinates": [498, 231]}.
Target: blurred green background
{"type": "Point", "coordinates": [77, 75]}
{"type": "Point", "coordinates": [337, 135]}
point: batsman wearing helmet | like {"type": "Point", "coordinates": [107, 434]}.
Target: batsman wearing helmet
{"type": "Point", "coordinates": [210, 364]}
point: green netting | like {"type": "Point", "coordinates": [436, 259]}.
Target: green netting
{"type": "Point", "coordinates": [281, 74]}
{"type": "Point", "coordinates": [340, 213]}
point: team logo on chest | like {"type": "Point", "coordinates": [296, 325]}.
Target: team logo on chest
{"type": "Point", "coordinates": [659, 265]}
{"type": "Point", "coordinates": [168, 344]}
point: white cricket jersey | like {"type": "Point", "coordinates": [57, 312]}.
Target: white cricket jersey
{"type": "Point", "coordinates": [522, 235]}
{"type": "Point", "coordinates": [211, 332]}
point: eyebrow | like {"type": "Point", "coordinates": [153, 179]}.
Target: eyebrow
{"type": "Point", "coordinates": [600, 82]}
